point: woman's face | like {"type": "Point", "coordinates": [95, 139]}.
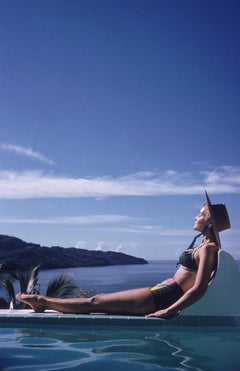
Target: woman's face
{"type": "Point", "coordinates": [201, 219]}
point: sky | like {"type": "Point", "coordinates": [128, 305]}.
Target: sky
{"type": "Point", "coordinates": [115, 117]}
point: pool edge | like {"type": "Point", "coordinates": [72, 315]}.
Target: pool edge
{"type": "Point", "coordinates": [56, 318]}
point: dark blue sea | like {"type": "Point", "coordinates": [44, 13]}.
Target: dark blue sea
{"type": "Point", "coordinates": [114, 278]}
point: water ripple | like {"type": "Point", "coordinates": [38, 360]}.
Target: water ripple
{"type": "Point", "coordinates": [55, 348]}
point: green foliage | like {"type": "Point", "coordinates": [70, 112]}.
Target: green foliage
{"type": "Point", "coordinates": [62, 286]}
{"type": "Point", "coordinates": [8, 287]}
{"type": "Point", "coordinates": [27, 280]}
{"type": "Point", "coordinates": [86, 292]}
{"type": "Point", "coordinates": [32, 282]}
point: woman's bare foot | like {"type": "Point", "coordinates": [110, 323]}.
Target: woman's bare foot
{"type": "Point", "coordinates": [36, 302]}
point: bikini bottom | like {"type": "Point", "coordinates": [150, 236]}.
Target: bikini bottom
{"type": "Point", "coordinates": [166, 293]}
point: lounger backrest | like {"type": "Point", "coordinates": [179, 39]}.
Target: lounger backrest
{"type": "Point", "coordinates": [223, 295]}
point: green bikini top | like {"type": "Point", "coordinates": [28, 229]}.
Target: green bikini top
{"type": "Point", "coordinates": [186, 259]}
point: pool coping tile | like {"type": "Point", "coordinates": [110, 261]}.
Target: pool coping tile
{"type": "Point", "coordinates": [56, 318]}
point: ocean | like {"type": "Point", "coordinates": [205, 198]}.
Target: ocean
{"type": "Point", "coordinates": [114, 278]}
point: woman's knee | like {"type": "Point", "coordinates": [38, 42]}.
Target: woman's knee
{"type": "Point", "coordinates": [96, 299]}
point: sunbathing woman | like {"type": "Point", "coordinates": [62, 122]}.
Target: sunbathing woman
{"type": "Point", "coordinates": [190, 282]}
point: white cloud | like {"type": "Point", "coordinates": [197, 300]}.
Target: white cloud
{"type": "Point", "coordinates": [225, 175]}
{"type": "Point", "coordinates": [101, 246]}
{"type": "Point", "coordinates": [153, 231]}
{"type": "Point", "coordinates": [83, 219]}
{"type": "Point", "coordinates": [118, 248]}
{"type": "Point", "coordinates": [107, 223]}
{"type": "Point", "coordinates": [36, 184]}
{"type": "Point", "coordinates": [25, 152]}
{"type": "Point", "coordinates": [80, 245]}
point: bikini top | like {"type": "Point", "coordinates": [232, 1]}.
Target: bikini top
{"type": "Point", "coordinates": [186, 259]}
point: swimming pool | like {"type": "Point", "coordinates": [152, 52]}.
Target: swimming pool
{"type": "Point", "coordinates": [32, 344]}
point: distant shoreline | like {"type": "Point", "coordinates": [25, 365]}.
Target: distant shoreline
{"type": "Point", "coordinates": [18, 254]}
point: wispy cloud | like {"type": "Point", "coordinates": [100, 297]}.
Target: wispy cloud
{"type": "Point", "coordinates": [143, 230]}
{"type": "Point", "coordinates": [36, 184]}
{"type": "Point", "coordinates": [25, 152]}
{"type": "Point", "coordinates": [82, 220]}
{"type": "Point", "coordinates": [105, 222]}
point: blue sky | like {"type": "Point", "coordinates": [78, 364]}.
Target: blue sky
{"type": "Point", "coordinates": [115, 116]}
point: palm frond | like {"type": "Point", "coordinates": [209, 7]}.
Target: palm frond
{"type": "Point", "coordinates": [62, 286]}
{"type": "Point", "coordinates": [33, 280]}
{"type": "Point", "coordinates": [22, 277]}
{"type": "Point", "coordinates": [5, 273]}
{"type": "Point", "coordinates": [9, 288]}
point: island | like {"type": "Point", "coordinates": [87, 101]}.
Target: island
{"type": "Point", "coordinates": [18, 254]}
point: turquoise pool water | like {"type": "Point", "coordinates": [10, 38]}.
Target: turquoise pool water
{"type": "Point", "coordinates": [51, 347]}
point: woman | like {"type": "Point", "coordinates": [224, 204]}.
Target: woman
{"type": "Point", "coordinates": [197, 266]}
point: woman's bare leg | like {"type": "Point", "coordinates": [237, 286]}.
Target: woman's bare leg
{"type": "Point", "coordinates": [129, 302]}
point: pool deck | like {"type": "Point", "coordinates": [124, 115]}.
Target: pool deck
{"type": "Point", "coordinates": [27, 316]}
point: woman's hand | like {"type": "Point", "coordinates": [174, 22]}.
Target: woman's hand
{"type": "Point", "coordinates": [164, 313]}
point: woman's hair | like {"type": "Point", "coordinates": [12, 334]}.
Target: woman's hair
{"type": "Point", "coordinates": [208, 215]}
{"type": "Point", "coordinates": [207, 211]}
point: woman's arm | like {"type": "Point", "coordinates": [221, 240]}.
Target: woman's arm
{"type": "Point", "coordinates": [207, 263]}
